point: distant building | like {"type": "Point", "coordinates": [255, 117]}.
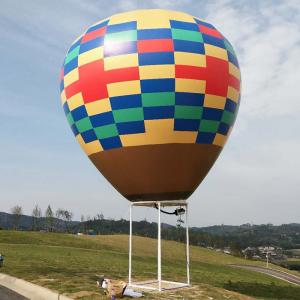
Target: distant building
{"type": "Point", "coordinates": [249, 252]}
{"type": "Point", "coordinates": [227, 250]}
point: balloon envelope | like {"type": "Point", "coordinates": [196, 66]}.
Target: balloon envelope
{"type": "Point", "coordinates": [151, 96]}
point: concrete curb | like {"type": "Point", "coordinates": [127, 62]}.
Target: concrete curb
{"type": "Point", "coordinates": [29, 290]}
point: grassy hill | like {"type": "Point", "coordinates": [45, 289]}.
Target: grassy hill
{"type": "Point", "coordinates": [69, 263]}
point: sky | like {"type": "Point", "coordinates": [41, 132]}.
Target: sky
{"type": "Point", "coordinates": [257, 176]}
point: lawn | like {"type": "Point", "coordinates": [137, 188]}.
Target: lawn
{"type": "Point", "coordinates": [69, 264]}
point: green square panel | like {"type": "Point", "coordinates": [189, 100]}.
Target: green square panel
{"type": "Point", "coordinates": [84, 124]}
{"type": "Point", "coordinates": [128, 114]}
{"type": "Point", "coordinates": [158, 99]}
{"type": "Point", "coordinates": [106, 131]}
{"type": "Point", "coordinates": [228, 117]}
{"type": "Point", "coordinates": [187, 35]}
{"type": "Point", "coordinates": [70, 119]}
{"type": "Point", "coordinates": [209, 126]}
{"type": "Point", "coordinates": [229, 47]}
{"type": "Point", "coordinates": [123, 36]}
{"type": "Point", "coordinates": [74, 53]}
{"type": "Point", "coordinates": [188, 112]}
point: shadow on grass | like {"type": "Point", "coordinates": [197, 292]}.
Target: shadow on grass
{"type": "Point", "coordinates": [265, 291]}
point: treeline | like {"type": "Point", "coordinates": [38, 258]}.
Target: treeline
{"type": "Point", "coordinates": [50, 220]}
{"type": "Point", "coordinates": [236, 237]}
{"type": "Point", "coordinates": [149, 229]}
{"type": "Point", "coordinates": [286, 236]}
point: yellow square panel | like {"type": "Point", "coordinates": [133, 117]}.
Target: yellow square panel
{"type": "Point", "coordinates": [233, 94]}
{"type": "Point", "coordinates": [63, 97]}
{"type": "Point", "coordinates": [98, 107]}
{"type": "Point", "coordinates": [214, 51]}
{"type": "Point", "coordinates": [233, 70]}
{"type": "Point", "coordinates": [144, 18]}
{"type": "Point", "coordinates": [190, 85]}
{"type": "Point", "coordinates": [167, 134]}
{"type": "Point", "coordinates": [89, 148]}
{"type": "Point", "coordinates": [124, 17]}
{"type": "Point", "coordinates": [90, 56]}
{"type": "Point", "coordinates": [214, 101]}
{"type": "Point", "coordinates": [124, 88]}
{"type": "Point", "coordinates": [71, 77]}
{"type": "Point", "coordinates": [75, 101]}
{"type": "Point", "coordinates": [136, 139]}
{"type": "Point", "coordinates": [121, 61]}
{"type": "Point", "coordinates": [189, 59]}
{"type": "Point", "coordinates": [220, 140]}
{"type": "Point", "coordinates": [157, 71]}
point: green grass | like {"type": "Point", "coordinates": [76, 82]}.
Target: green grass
{"type": "Point", "coordinates": [69, 264]}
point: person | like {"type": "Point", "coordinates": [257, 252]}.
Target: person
{"type": "Point", "coordinates": [1, 260]}
{"type": "Point", "coordinates": [117, 289]}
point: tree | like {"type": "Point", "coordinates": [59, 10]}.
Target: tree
{"type": "Point", "coordinates": [59, 213]}
{"type": "Point", "coordinates": [36, 214]}
{"type": "Point", "coordinates": [82, 223]}
{"type": "Point", "coordinates": [99, 217]}
{"type": "Point", "coordinates": [59, 216]}
{"type": "Point", "coordinates": [17, 212]}
{"type": "Point", "coordinates": [68, 216]}
{"type": "Point", "coordinates": [64, 215]}
{"type": "Point", "coordinates": [49, 218]}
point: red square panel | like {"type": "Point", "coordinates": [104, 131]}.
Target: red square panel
{"type": "Point", "coordinates": [92, 81]}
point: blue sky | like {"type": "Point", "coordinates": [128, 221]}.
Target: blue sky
{"type": "Point", "coordinates": [256, 179]}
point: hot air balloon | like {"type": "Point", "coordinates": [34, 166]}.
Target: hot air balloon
{"type": "Point", "coordinates": [151, 96]}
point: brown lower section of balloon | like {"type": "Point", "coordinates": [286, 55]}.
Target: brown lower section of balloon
{"type": "Point", "coordinates": [156, 172]}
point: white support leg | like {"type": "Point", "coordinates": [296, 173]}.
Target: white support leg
{"type": "Point", "coordinates": [159, 249]}
{"type": "Point", "coordinates": [187, 247]}
{"type": "Point", "coordinates": [130, 244]}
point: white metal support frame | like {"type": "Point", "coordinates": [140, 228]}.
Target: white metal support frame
{"type": "Point", "coordinates": [187, 246]}
{"type": "Point", "coordinates": [159, 284]}
{"type": "Point", "coordinates": [159, 249]}
{"type": "Point", "coordinates": [130, 245]}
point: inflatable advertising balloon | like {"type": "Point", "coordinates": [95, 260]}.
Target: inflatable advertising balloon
{"type": "Point", "coordinates": [151, 96]}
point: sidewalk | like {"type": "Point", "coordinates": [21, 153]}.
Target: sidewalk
{"type": "Point", "coordinates": [29, 290]}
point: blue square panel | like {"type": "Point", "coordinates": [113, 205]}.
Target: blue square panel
{"type": "Point", "coordinates": [131, 127]}
{"type": "Point", "coordinates": [111, 143]}
{"type": "Point", "coordinates": [205, 138]}
{"type": "Point", "coordinates": [89, 136]}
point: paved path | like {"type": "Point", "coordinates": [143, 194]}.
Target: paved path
{"type": "Point", "coordinates": [7, 294]}
{"type": "Point", "coordinates": [275, 273]}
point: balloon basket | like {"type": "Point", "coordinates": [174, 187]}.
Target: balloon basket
{"type": "Point", "coordinates": [159, 284]}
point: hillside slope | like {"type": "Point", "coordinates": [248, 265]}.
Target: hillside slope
{"type": "Point", "coordinates": [69, 264]}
